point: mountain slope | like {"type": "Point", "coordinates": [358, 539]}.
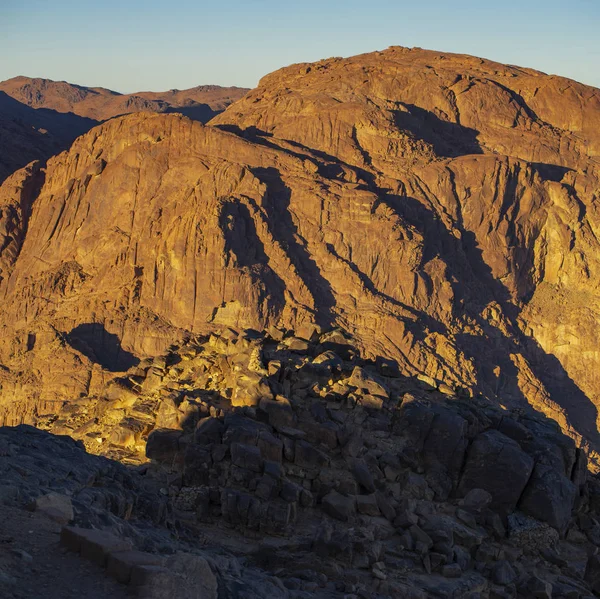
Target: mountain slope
{"type": "Point", "coordinates": [40, 117]}
{"type": "Point", "coordinates": [27, 134]}
{"type": "Point", "coordinates": [439, 208]}
{"type": "Point", "coordinates": [101, 104]}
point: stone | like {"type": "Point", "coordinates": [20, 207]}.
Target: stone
{"type": "Point", "coordinates": [406, 519]}
{"type": "Point", "coordinates": [296, 344]}
{"type": "Point", "coordinates": [246, 456]}
{"type": "Point", "coordinates": [196, 572]}
{"type": "Point", "coordinates": [420, 536]}
{"type": "Point", "coordinates": [499, 466]}
{"type": "Point", "coordinates": [290, 491]}
{"type": "Point", "coordinates": [530, 534]}
{"type": "Point", "coordinates": [503, 573]}
{"type": "Point", "coordinates": [538, 588]}
{"type": "Point", "coordinates": [385, 507]}
{"type": "Point", "coordinates": [94, 545]}
{"type": "Point", "coordinates": [362, 474]}
{"type": "Point", "coordinates": [279, 411]}
{"type": "Point", "coordinates": [266, 488]}
{"type": "Point", "coordinates": [308, 456]}
{"type": "Point", "coordinates": [367, 383]}
{"type": "Point", "coordinates": [271, 448]}
{"type": "Point", "coordinates": [150, 581]}
{"type": "Point", "coordinates": [121, 563]}
{"type": "Point", "coordinates": [367, 505]}
{"type": "Point", "coordinates": [446, 441]}
{"type": "Point", "coordinates": [476, 499]}
{"type": "Point", "coordinates": [451, 571]}
{"type": "Point", "coordinates": [209, 430]}
{"type": "Point", "coordinates": [549, 497]}
{"type": "Point", "coordinates": [196, 465]}
{"type": "Point", "coordinates": [56, 506]}
{"type": "Point", "coordinates": [163, 445]}
{"type": "Point", "coordinates": [338, 506]}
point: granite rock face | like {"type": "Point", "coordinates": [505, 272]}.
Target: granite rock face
{"type": "Point", "coordinates": [439, 208]}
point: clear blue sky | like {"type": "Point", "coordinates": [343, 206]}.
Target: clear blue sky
{"type": "Point", "coordinates": [138, 45]}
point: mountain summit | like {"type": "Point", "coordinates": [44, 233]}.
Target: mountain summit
{"type": "Point", "coordinates": [439, 208]}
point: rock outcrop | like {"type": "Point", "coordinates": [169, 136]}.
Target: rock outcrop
{"type": "Point", "coordinates": [286, 465]}
{"type": "Point", "coordinates": [439, 208]}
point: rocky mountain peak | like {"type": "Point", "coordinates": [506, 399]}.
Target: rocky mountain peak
{"type": "Point", "coordinates": [364, 294]}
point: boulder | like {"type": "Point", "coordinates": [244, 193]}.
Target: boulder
{"type": "Point", "coordinates": [279, 411]}
{"type": "Point", "coordinates": [496, 464]}
{"type": "Point", "coordinates": [363, 475]}
{"type": "Point", "coordinates": [308, 456]}
{"type": "Point", "coordinates": [367, 383]}
{"type": "Point", "coordinates": [246, 456]}
{"type": "Point", "coordinates": [549, 496]}
{"type": "Point", "coordinates": [121, 563]}
{"type": "Point", "coordinates": [368, 505]}
{"type": "Point", "coordinates": [56, 506]}
{"type": "Point", "coordinates": [163, 445]}
{"type": "Point", "coordinates": [209, 430]}
{"type": "Point", "coordinates": [338, 506]}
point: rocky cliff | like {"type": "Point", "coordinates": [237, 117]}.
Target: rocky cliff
{"type": "Point", "coordinates": [438, 208]}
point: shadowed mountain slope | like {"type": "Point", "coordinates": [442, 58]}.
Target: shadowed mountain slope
{"type": "Point", "coordinates": [40, 117]}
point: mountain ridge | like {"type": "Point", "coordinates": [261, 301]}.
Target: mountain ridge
{"type": "Point", "coordinates": [102, 103]}
{"type": "Point", "coordinates": [40, 117]}
{"type": "Point", "coordinates": [438, 208]}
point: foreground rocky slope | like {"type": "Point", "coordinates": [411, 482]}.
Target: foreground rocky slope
{"type": "Point", "coordinates": [284, 465]}
{"type": "Point", "coordinates": [40, 117]}
{"type": "Point", "coordinates": [439, 208]}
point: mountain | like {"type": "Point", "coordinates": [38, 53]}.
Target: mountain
{"type": "Point", "coordinates": [101, 104]}
{"type": "Point", "coordinates": [438, 208]}
{"type": "Point", "coordinates": [40, 117]}
{"type": "Point", "coordinates": [339, 341]}
{"type": "Point", "coordinates": [27, 134]}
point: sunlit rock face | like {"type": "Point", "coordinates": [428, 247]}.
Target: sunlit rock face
{"type": "Point", "coordinates": [439, 208]}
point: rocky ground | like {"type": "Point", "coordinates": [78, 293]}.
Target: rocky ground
{"type": "Point", "coordinates": [284, 465]}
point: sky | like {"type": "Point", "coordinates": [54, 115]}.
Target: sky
{"type": "Point", "coordinates": [142, 45]}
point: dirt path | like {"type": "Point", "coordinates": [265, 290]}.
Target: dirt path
{"type": "Point", "coordinates": [34, 566]}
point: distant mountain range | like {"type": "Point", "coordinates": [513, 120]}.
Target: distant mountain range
{"type": "Point", "coordinates": [41, 117]}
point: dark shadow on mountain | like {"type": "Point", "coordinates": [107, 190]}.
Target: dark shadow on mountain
{"type": "Point", "coordinates": [330, 167]}
{"type": "Point", "coordinates": [196, 112]}
{"type": "Point", "coordinates": [28, 134]}
{"type": "Point", "coordinates": [474, 287]}
{"type": "Point", "coordinates": [473, 283]}
{"type": "Point", "coordinates": [101, 347]}
{"type": "Point", "coordinates": [285, 232]}
{"type": "Point", "coordinates": [242, 240]}
{"type": "Point", "coordinates": [62, 125]}
{"type": "Point", "coordinates": [550, 172]}
{"type": "Point", "coordinates": [250, 133]}
{"type": "Point", "coordinates": [448, 139]}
